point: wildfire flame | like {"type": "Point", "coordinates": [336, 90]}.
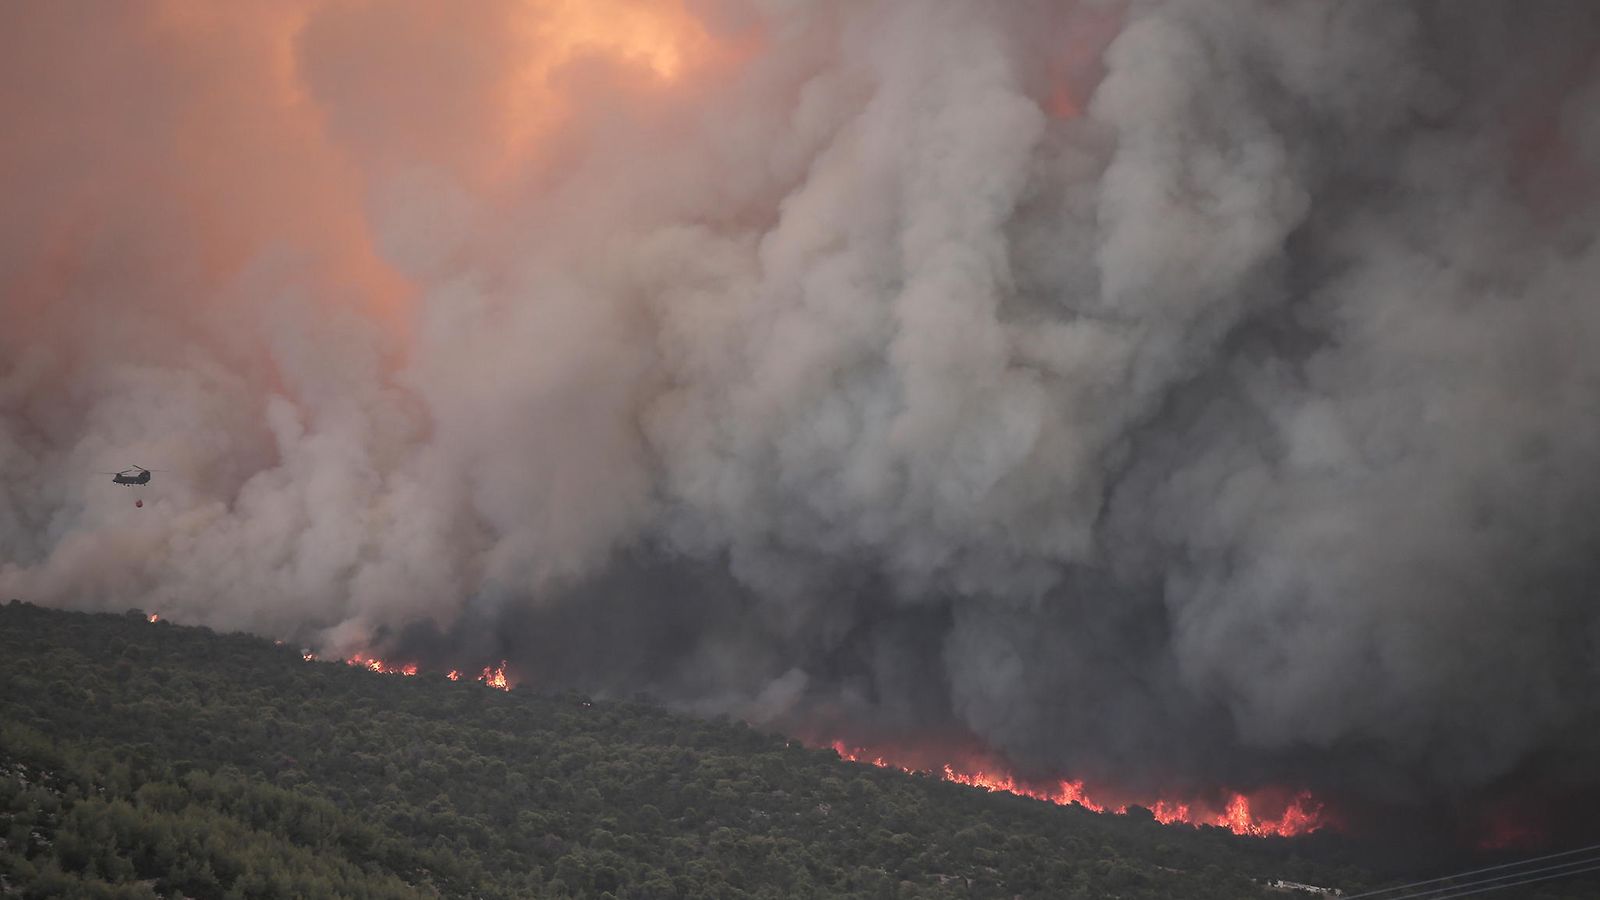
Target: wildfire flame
{"type": "Point", "coordinates": [1301, 816]}
{"type": "Point", "coordinates": [495, 676]}
{"type": "Point", "coordinates": [154, 618]}
{"type": "Point", "coordinates": [374, 664]}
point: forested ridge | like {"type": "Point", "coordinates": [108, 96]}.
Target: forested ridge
{"type": "Point", "coordinates": [142, 760]}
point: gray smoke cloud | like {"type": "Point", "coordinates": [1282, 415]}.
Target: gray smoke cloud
{"type": "Point", "coordinates": [1165, 392]}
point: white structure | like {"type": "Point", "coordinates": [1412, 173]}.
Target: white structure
{"type": "Point", "coordinates": [1280, 884]}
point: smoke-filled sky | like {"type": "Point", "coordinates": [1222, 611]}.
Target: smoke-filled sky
{"type": "Point", "coordinates": [1189, 391]}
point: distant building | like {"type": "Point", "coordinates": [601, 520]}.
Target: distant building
{"type": "Point", "coordinates": [1281, 885]}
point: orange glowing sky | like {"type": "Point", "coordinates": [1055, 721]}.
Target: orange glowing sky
{"type": "Point", "coordinates": [652, 46]}
{"type": "Point", "coordinates": [258, 127]}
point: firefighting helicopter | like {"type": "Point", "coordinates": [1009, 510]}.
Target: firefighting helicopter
{"type": "Point", "coordinates": [133, 475]}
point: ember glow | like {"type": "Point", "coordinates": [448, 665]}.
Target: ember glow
{"type": "Point", "coordinates": [1511, 836]}
{"type": "Point", "coordinates": [1511, 824]}
{"type": "Point", "coordinates": [1301, 815]}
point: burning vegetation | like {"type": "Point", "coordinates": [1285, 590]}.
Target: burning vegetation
{"type": "Point", "coordinates": [374, 664]}
{"type": "Point", "coordinates": [1302, 814]}
{"type": "Point", "coordinates": [495, 676]}
{"type": "Point", "coordinates": [1240, 813]}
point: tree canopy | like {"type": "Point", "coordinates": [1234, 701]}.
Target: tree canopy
{"type": "Point", "coordinates": [142, 760]}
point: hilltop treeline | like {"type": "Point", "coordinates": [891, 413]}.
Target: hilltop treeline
{"type": "Point", "coordinates": [142, 760]}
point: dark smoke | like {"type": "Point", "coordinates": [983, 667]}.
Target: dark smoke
{"type": "Point", "coordinates": [1168, 393]}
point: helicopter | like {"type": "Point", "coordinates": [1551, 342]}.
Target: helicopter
{"type": "Point", "coordinates": [131, 475]}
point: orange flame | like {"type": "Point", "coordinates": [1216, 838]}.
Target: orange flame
{"type": "Point", "coordinates": [375, 664]}
{"type": "Point", "coordinates": [154, 618]}
{"type": "Point", "coordinates": [495, 677]}
{"type": "Point", "coordinates": [1302, 815]}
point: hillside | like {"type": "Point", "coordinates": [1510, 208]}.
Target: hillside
{"type": "Point", "coordinates": [145, 760]}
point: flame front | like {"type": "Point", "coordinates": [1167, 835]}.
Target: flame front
{"type": "Point", "coordinates": [375, 664]}
{"type": "Point", "coordinates": [495, 676]}
{"type": "Point", "coordinates": [1302, 815]}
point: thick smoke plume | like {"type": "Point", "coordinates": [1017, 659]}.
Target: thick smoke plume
{"type": "Point", "coordinates": [1166, 393]}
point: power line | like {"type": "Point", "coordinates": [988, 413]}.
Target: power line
{"type": "Point", "coordinates": [1521, 874]}
{"type": "Point", "coordinates": [1496, 887]}
{"type": "Point", "coordinates": [1509, 865]}
{"type": "Point", "coordinates": [1481, 881]}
